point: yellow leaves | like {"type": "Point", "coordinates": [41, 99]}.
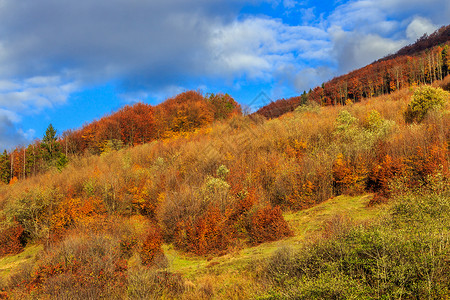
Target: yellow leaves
{"type": "Point", "coordinates": [144, 197]}
{"type": "Point", "coordinates": [161, 197]}
{"type": "Point", "coordinates": [229, 156]}
{"type": "Point", "coordinates": [75, 212]}
{"type": "Point", "coordinates": [292, 147]}
{"type": "Point", "coordinates": [349, 177]}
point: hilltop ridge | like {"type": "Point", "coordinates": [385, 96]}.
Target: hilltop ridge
{"type": "Point", "coordinates": [423, 62]}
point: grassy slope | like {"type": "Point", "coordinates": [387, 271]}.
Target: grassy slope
{"type": "Point", "coordinates": [13, 262]}
{"type": "Point", "coordinates": [305, 224]}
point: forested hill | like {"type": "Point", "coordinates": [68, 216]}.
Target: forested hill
{"type": "Point", "coordinates": [425, 61]}
{"type": "Point", "coordinates": [132, 125]}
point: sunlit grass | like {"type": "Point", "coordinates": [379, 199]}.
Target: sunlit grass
{"type": "Point", "coordinates": [304, 223]}
{"type": "Point", "coordinates": [11, 262]}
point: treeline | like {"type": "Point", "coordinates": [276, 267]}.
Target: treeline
{"type": "Point", "coordinates": [37, 157]}
{"type": "Point", "coordinates": [440, 36]}
{"type": "Point", "coordinates": [132, 125]}
{"type": "Point", "coordinates": [424, 62]}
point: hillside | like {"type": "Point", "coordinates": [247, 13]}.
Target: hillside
{"type": "Point", "coordinates": [130, 126]}
{"type": "Point", "coordinates": [201, 214]}
{"type": "Point", "coordinates": [423, 62]}
{"type": "Point", "coordinates": [342, 192]}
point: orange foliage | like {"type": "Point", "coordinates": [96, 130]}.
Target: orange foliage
{"type": "Point", "coordinates": [349, 178]}
{"type": "Point", "coordinates": [383, 172]}
{"type": "Point", "coordinates": [151, 246]}
{"type": "Point", "coordinates": [10, 240]}
{"type": "Point", "coordinates": [13, 180]}
{"type": "Point", "coordinates": [73, 212]}
{"type": "Point", "coordinates": [91, 264]}
{"type": "Point", "coordinates": [208, 234]}
{"type": "Point", "coordinates": [267, 224]}
{"type": "Point", "coordinates": [302, 195]}
{"type": "Point", "coordinates": [422, 62]}
{"type": "Point", "coordinates": [425, 162]}
{"type": "Point", "coordinates": [185, 112]}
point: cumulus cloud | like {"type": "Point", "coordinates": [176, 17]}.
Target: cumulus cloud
{"type": "Point", "coordinates": [257, 46]}
{"type": "Point", "coordinates": [365, 30]}
{"type": "Point", "coordinates": [9, 134]}
{"type": "Point", "coordinates": [49, 48]}
{"type": "Point", "coordinates": [354, 49]}
{"type": "Point", "coordinates": [32, 95]}
{"type": "Point", "coordinates": [26, 97]}
{"type": "Point", "coordinates": [418, 27]}
{"type": "Point", "coordinates": [310, 77]}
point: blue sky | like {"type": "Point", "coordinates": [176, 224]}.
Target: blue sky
{"type": "Point", "coordinates": [70, 62]}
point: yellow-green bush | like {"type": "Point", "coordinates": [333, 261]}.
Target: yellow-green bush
{"type": "Point", "coordinates": [424, 99]}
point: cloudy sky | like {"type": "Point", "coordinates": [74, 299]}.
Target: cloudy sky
{"type": "Point", "coordinates": [68, 62]}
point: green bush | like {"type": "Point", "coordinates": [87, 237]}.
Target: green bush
{"type": "Point", "coordinates": [404, 256]}
{"type": "Point", "coordinates": [424, 99]}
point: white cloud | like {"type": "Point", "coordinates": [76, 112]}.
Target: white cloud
{"type": "Point", "coordinates": [32, 95]}
{"type": "Point", "coordinates": [354, 49]}
{"type": "Point", "coordinates": [365, 30]}
{"type": "Point", "coordinates": [255, 47]}
{"type": "Point", "coordinates": [418, 27]}
{"type": "Point", "coordinates": [19, 99]}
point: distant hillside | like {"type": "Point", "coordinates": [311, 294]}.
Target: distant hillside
{"type": "Point", "coordinates": [423, 62]}
{"type": "Point", "coordinates": [132, 125]}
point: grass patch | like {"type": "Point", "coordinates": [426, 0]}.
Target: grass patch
{"type": "Point", "coordinates": [11, 262]}
{"type": "Point", "coordinates": [304, 223]}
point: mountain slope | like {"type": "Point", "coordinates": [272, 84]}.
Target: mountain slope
{"type": "Point", "coordinates": [423, 62]}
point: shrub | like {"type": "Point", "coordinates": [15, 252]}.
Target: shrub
{"type": "Point", "coordinates": [81, 267]}
{"type": "Point", "coordinates": [207, 234]}
{"type": "Point", "coordinates": [267, 224]}
{"type": "Point", "coordinates": [149, 283]}
{"type": "Point", "coordinates": [424, 99]}
{"type": "Point", "coordinates": [349, 178]}
{"type": "Point", "coordinates": [10, 240]}
{"type": "Point", "coordinates": [382, 173]}
{"type": "Point", "coordinates": [31, 209]}
{"type": "Point", "coordinates": [404, 256]}
{"type": "Point", "coordinates": [151, 251]}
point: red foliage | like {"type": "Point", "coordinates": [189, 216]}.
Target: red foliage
{"type": "Point", "coordinates": [91, 264]}
{"type": "Point", "coordinates": [377, 199]}
{"type": "Point", "coordinates": [279, 107]}
{"type": "Point", "coordinates": [151, 246]}
{"type": "Point", "coordinates": [425, 162]}
{"type": "Point", "coordinates": [383, 172]}
{"type": "Point", "coordinates": [267, 224]}
{"type": "Point", "coordinates": [10, 240]}
{"type": "Point", "coordinates": [423, 62]}
{"type": "Point", "coordinates": [244, 204]}
{"type": "Point", "coordinates": [415, 168]}
{"type": "Point", "coordinates": [210, 233]}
